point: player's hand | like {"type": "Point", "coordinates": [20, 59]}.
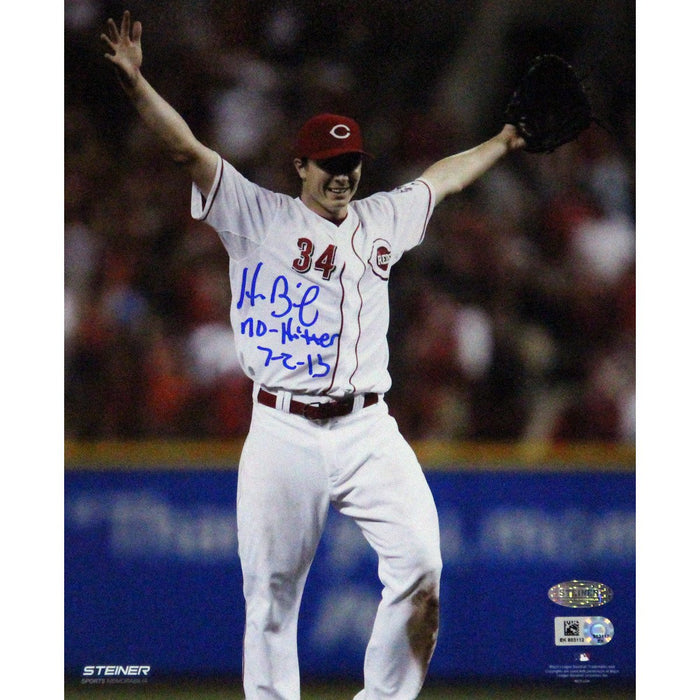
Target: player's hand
{"type": "Point", "coordinates": [512, 138]}
{"type": "Point", "coordinates": [125, 43]}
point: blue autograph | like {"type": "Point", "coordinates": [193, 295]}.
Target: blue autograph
{"type": "Point", "coordinates": [290, 316]}
{"type": "Point", "coordinates": [279, 297]}
{"type": "Point", "coordinates": [287, 359]}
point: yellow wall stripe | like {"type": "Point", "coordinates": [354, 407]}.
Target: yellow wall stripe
{"type": "Point", "coordinates": [433, 455]}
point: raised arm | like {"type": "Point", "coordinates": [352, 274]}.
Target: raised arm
{"type": "Point", "coordinates": [452, 174]}
{"type": "Point", "coordinates": [159, 116]}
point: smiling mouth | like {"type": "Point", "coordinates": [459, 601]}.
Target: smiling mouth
{"type": "Point", "coordinates": [339, 190]}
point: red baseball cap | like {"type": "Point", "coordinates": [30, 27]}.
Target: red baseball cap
{"type": "Point", "coordinates": [329, 135]}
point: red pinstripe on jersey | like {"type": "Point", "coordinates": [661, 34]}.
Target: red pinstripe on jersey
{"type": "Point", "coordinates": [359, 311]}
{"type": "Point", "coordinates": [340, 331]}
{"type": "Point", "coordinates": [209, 201]}
{"type": "Point", "coordinates": [428, 210]}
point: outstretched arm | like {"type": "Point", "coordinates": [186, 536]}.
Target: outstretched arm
{"type": "Point", "coordinates": [159, 116]}
{"type": "Point", "coordinates": [452, 174]}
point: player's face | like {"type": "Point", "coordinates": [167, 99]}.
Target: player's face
{"type": "Point", "coordinates": [329, 185]}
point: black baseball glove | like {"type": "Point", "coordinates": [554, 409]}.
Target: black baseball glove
{"type": "Point", "coordinates": [550, 106]}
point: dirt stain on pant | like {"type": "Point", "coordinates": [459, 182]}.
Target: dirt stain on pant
{"type": "Point", "coordinates": [423, 626]}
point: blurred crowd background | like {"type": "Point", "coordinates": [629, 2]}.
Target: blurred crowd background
{"type": "Point", "coordinates": [515, 320]}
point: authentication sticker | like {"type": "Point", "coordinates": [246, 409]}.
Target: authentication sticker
{"type": "Point", "coordinates": [582, 631]}
{"type": "Point", "coordinates": [580, 594]}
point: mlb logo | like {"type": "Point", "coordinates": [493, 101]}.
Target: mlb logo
{"type": "Point", "coordinates": [585, 656]}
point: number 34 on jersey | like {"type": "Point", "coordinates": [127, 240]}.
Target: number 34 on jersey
{"type": "Point", "coordinates": [283, 312]}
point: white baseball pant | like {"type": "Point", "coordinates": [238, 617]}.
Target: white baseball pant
{"type": "Point", "coordinates": [291, 468]}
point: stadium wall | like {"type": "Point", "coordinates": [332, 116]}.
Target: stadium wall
{"type": "Point", "coordinates": [152, 576]}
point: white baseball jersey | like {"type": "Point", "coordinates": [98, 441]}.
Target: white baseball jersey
{"type": "Point", "coordinates": [310, 303]}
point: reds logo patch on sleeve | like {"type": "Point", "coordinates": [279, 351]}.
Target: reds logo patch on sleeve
{"type": "Point", "coordinates": [380, 259]}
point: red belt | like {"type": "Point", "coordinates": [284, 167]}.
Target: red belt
{"type": "Point", "coordinates": [317, 410]}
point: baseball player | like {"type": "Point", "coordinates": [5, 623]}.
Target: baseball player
{"type": "Point", "coordinates": [310, 314]}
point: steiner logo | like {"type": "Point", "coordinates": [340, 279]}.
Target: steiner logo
{"type": "Point", "coordinates": [580, 594]}
{"type": "Point", "coordinates": [115, 671]}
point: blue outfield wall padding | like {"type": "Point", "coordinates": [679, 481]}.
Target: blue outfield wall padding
{"type": "Point", "coordinates": [152, 575]}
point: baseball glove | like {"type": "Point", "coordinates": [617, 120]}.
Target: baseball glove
{"type": "Point", "coordinates": [550, 106]}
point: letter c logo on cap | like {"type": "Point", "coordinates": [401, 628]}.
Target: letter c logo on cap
{"type": "Point", "coordinates": [340, 131]}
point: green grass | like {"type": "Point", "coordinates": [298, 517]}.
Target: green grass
{"type": "Point", "coordinates": [233, 691]}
